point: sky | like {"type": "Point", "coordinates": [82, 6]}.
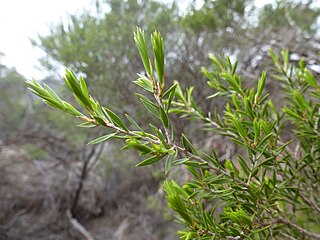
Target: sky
{"type": "Point", "coordinates": [21, 20]}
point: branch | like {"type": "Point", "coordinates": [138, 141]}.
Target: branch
{"type": "Point", "coordinates": [78, 226]}
{"type": "Point", "coordinates": [287, 236]}
{"type": "Point", "coordinates": [187, 153]}
{"type": "Point", "coordinates": [84, 173]}
{"type": "Point", "coordinates": [300, 229]}
{"type": "Point", "coordinates": [311, 203]}
{"type": "Point", "coordinates": [14, 219]}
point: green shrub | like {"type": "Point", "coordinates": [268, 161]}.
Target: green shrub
{"type": "Point", "coordinates": [268, 190]}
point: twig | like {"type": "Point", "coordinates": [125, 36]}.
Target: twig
{"type": "Point", "coordinates": [84, 173]}
{"type": "Point", "coordinates": [14, 219]}
{"type": "Point", "coordinates": [300, 229]}
{"type": "Point", "coordinates": [78, 226]}
{"type": "Point", "coordinates": [233, 238]}
{"type": "Point", "coordinates": [187, 153]}
{"type": "Point", "coordinates": [287, 236]}
{"type": "Point", "coordinates": [310, 202]}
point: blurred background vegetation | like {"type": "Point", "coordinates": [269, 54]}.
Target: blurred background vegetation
{"type": "Point", "coordinates": [47, 169]}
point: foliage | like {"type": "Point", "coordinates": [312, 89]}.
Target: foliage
{"type": "Point", "coordinates": [269, 190]}
{"type": "Point", "coordinates": [97, 45]}
{"type": "Point", "coordinates": [12, 97]}
{"type": "Point", "coordinates": [215, 15]}
{"type": "Point", "coordinates": [287, 13]}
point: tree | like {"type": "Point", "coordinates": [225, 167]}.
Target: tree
{"type": "Point", "coordinates": [268, 190]}
{"type": "Point", "coordinates": [97, 45]}
{"type": "Point", "coordinates": [12, 97]}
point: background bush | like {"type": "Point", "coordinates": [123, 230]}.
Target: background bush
{"type": "Point", "coordinates": [269, 189]}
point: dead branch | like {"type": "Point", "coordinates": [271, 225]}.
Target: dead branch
{"type": "Point", "coordinates": [78, 226]}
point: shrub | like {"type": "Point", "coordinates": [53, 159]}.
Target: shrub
{"type": "Point", "coordinates": [269, 189]}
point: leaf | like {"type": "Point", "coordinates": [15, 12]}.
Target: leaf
{"type": "Point", "coordinates": [159, 134]}
{"type": "Point", "coordinates": [142, 46]}
{"type": "Point", "coordinates": [116, 120]}
{"type": "Point", "coordinates": [261, 83]}
{"type": "Point", "coordinates": [194, 172]}
{"type": "Point", "coordinates": [144, 83]}
{"type": "Point", "coordinates": [84, 87]}
{"type": "Point", "coordinates": [102, 139]}
{"type": "Point", "coordinates": [214, 95]}
{"type": "Point", "coordinates": [74, 85]}
{"type": "Point", "coordinates": [310, 79]}
{"type": "Point", "coordinates": [53, 94]}
{"type": "Point", "coordinates": [170, 99]}
{"type": "Point", "coordinates": [179, 161]}
{"type": "Point", "coordinates": [264, 139]}
{"type": "Point", "coordinates": [158, 50]}
{"type": "Point", "coordinates": [274, 58]}
{"type": "Point", "coordinates": [151, 107]}
{"type": "Point", "coordinates": [168, 163]}
{"type": "Point", "coordinates": [72, 109]}
{"type": "Point", "coordinates": [52, 103]}
{"type": "Point", "coordinates": [268, 162]}
{"type": "Point", "coordinates": [86, 125]}
{"type": "Point", "coordinates": [171, 89]}
{"type": "Point", "coordinates": [243, 166]}
{"type": "Point", "coordinates": [150, 160]}
{"type": "Point", "coordinates": [100, 120]}
{"type": "Point", "coordinates": [142, 147]}
{"type": "Point", "coordinates": [221, 181]}
{"type": "Point", "coordinates": [133, 122]}
{"type": "Point", "coordinates": [164, 118]}
{"type": "Point", "coordinates": [187, 144]}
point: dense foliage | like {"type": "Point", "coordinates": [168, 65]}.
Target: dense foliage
{"type": "Point", "coordinates": [269, 189]}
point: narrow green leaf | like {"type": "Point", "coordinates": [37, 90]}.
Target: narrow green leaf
{"type": "Point", "coordinates": [133, 122]}
{"type": "Point", "coordinates": [100, 120]}
{"type": "Point", "coordinates": [274, 58]}
{"type": "Point", "coordinates": [168, 163]}
{"type": "Point", "coordinates": [158, 50]}
{"type": "Point", "coordinates": [244, 166]}
{"type": "Point", "coordinates": [264, 139]}
{"type": "Point", "coordinates": [187, 144]}
{"type": "Point", "coordinates": [84, 87]}
{"type": "Point", "coordinates": [170, 99]}
{"type": "Point", "coordinates": [179, 161]}
{"type": "Point", "coordinates": [171, 89]}
{"type": "Point", "coordinates": [164, 118]}
{"type": "Point", "coordinates": [292, 113]}
{"type": "Point", "coordinates": [268, 162]}
{"type": "Point", "coordinates": [86, 125]}
{"type": "Point", "coordinates": [261, 83]}
{"type": "Point", "coordinates": [102, 139]}
{"type": "Point", "coordinates": [194, 171]}
{"type": "Point", "coordinates": [116, 120]}
{"type": "Point", "coordinates": [53, 104]}
{"type": "Point", "coordinates": [151, 107]}
{"type": "Point", "coordinates": [310, 79]}
{"type": "Point", "coordinates": [72, 109]}
{"type": "Point", "coordinates": [53, 94]}
{"type": "Point", "coordinates": [144, 83]}
{"type": "Point", "coordinates": [221, 181]}
{"type": "Point", "coordinates": [142, 46]}
{"type": "Point", "coordinates": [150, 160]}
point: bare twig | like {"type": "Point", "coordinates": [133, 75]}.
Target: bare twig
{"type": "Point", "coordinates": [233, 238]}
{"type": "Point", "coordinates": [300, 229]}
{"type": "Point", "coordinates": [311, 203]}
{"type": "Point", "coordinates": [78, 226]}
{"type": "Point", "coordinates": [84, 173]}
{"type": "Point", "coordinates": [287, 236]}
{"type": "Point", "coordinates": [14, 219]}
